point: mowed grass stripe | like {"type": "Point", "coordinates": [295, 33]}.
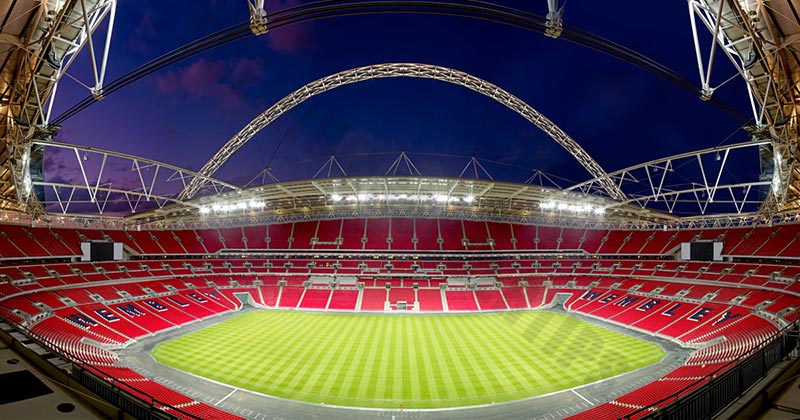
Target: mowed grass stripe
{"type": "Point", "coordinates": [429, 390]}
{"type": "Point", "coordinates": [338, 371]}
{"type": "Point", "coordinates": [473, 370]}
{"type": "Point", "coordinates": [524, 360]}
{"type": "Point", "coordinates": [310, 365]}
{"type": "Point", "coordinates": [520, 368]}
{"type": "Point", "coordinates": [367, 379]}
{"type": "Point", "coordinates": [507, 369]}
{"type": "Point", "coordinates": [559, 334]}
{"type": "Point", "coordinates": [378, 389]}
{"type": "Point", "coordinates": [400, 362]}
{"type": "Point", "coordinates": [252, 368]}
{"type": "Point", "coordinates": [458, 359]}
{"type": "Point", "coordinates": [419, 382]}
{"type": "Point", "coordinates": [530, 367]}
{"type": "Point", "coordinates": [441, 356]}
{"type": "Point", "coordinates": [351, 363]}
{"type": "Point", "coordinates": [314, 377]}
{"type": "Point", "coordinates": [280, 350]}
{"type": "Point", "coordinates": [500, 370]}
{"type": "Point", "coordinates": [284, 353]}
{"type": "Point", "coordinates": [388, 361]}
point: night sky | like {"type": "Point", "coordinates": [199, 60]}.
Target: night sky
{"type": "Point", "coordinates": [620, 114]}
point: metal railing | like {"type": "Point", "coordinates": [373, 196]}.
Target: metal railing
{"type": "Point", "coordinates": [127, 398]}
{"type": "Point", "coordinates": [715, 391]}
{"type": "Point", "coordinates": [719, 389]}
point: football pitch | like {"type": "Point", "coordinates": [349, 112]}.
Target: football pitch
{"type": "Point", "coordinates": [406, 361]}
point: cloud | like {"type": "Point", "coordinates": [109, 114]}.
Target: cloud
{"type": "Point", "coordinates": [170, 132]}
{"type": "Point", "coordinates": [143, 33]}
{"type": "Point", "coordinates": [291, 39]}
{"type": "Point", "coordinates": [169, 83]}
{"type": "Point", "coordinates": [64, 134]}
{"type": "Point", "coordinates": [246, 70]}
{"type": "Point", "coordinates": [146, 28]}
{"type": "Point", "coordinates": [223, 81]}
{"type": "Point", "coordinates": [53, 158]}
{"type": "Point", "coordinates": [60, 166]}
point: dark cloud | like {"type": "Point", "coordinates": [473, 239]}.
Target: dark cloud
{"type": "Point", "coordinates": [293, 39]}
{"type": "Point", "coordinates": [140, 38]}
{"type": "Point", "coordinates": [223, 81]}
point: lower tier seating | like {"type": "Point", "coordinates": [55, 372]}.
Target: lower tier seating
{"type": "Point", "coordinates": [117, 308]}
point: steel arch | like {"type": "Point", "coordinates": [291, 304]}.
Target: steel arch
{"type": "Point", "coordinates": [416, 70]}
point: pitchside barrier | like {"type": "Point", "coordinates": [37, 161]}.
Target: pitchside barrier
{"type": "Point", "coordinates": [128, 403]}
{"type": "Point", "coordinates": [725, 386]}
{"type": "Point", "coordinates": [719, 390]}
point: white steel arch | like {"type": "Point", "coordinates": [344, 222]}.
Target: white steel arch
{"type": "Point", "coordinates": [416, 70]}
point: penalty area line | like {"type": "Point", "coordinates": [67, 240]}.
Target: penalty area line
{"type": "Point", "coordinates": [576, 393]}
{"type": "Point", "coordinates": [231, 393]}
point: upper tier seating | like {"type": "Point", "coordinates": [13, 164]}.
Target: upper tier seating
{"type": "Point", "coordinates": [400, 234]}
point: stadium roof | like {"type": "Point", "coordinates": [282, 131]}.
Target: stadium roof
{"type": "Point", "coordinates": [753, 44]}
{"type": "Point", "coordinates": [39, 41]}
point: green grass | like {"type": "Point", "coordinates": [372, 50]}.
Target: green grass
{"type": "Point", "coordinates": [385, 361]}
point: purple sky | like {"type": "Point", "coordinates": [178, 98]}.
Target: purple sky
{"type": "Point", "coordinates": [182, 115]}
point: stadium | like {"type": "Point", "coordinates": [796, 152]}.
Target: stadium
{"type": "Point", "coordinates": [178, 241]}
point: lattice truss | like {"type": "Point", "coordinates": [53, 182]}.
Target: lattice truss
{"type": "Point", "coordinates": [106, 183]}
{"type": "Point", "coordinates": [693, 183]}
{"type": "Point", "coordinates": [761, 39]}
{"type": "Point", "coordinates": [40, 42]}
{"type": "Point", "coordinates": [704, 182]}
{"type": "Point", "coordinates": [758, 38]}
{"type": "Point", "coordinates": [414, 70]}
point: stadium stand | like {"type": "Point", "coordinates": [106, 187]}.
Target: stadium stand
{"type": "Point", "coordinates": [451, 234]}
{"type": "Point", "coordinates": [476, 235]}
{"type": "Point", "coordinates": [290, 296]}
{"type": "Point", "coordinates": [402, 232]}
{"type": "Point", "coordinates": [514, 297]}
{"type": "Point", "coordinates": [426, 232]}
{"type": "Point", "coordinates": [374, 299]}
{"type": "Point", "coordinates": [502, 234]}
{"type": "Point", "coordinates": [404, 294]}
{"type": "Point", "coordinates": [190, 242]}
{"type": "Point", "coordinates": [315, 298]}
{"type": "Point", "coordinates": [490, 300]}
{"type": "Point", "coordinates": [327, 234]}
{"type": "Point", "coordinates": [147, 242]}
{"type": "Point", "coordinates": [256, 237]}
{"type": "Point", "coordinates": [430, 299]}
{"type": "Point", "coordinates": [75, 304]}
{"type": "Point", "coordinates": [613, 241]}
{"type": "Point", "coordinates": [461, 300]}
{"type": "Point", "coordinates": [343, 299]}
{"type": "Point", "coordinates": [279, 235]}
{"type": "Point", "coordinates": [377, 233]}
{"type": "Point", "coordinates": [547, 238]}
{"type": "Point", "coordinates": [352, 233]}
{"type": "Point", "coordinates": [233, 238]}
{"type": "Point", "coordinates": [302, 232]}
{"type": "Point", "coordinates": [525, 236]}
